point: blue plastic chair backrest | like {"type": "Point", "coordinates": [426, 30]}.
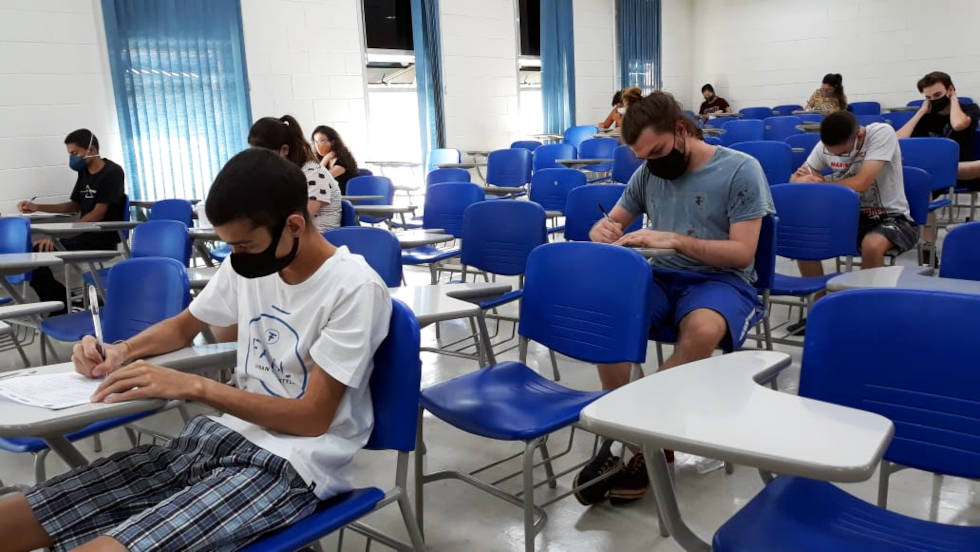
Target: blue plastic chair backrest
{"type": "Point", "coordinates": [379, 247]}
{"type": "Point", "coordinates": [364, 172]}
{"type": "Point", "coordinates": [756, 112]}
{"type": "Point", "coordinates": [147, 290]}
{"type": "Point", "coordinates": [598, 148]}
{"type": "Point", "coordinates": [395, 383]}
{"type": "Point", "coordinates": [718, 122]}
{"type": "Point", "coordinates": [976, 145]}
{"type": "Point", "coordinates": [577, 134]}
{"type": "Point", "coordinates": [897, 119]}
{"type": "Point", "coordinates": [445, 203]}
{"type": "Point", "coordinates": [499, 235]}
{"type": "Point", "coordinates": [584, 314]}
{"type": "Point", "coordinates": [625, 163]}
{"type": "Point", "coordinates": [765, 253]}
{"type": "Point", "coordinates": [372, 185]}
{"type": "Point", "coordinates": [908, 355]}
{"type": "Point", "coordinates": [712, 140]}
{"type": "Point", "coordinates": [811, 117]}
{"type": "Point", "coordinates": [442, 155]}
{"type": "Point", "coordinates": [582, 209]}
{"type": "Point", "coordinates": [529, 145]}
{"type": "Point", "coordinates": [439, 176]}
{"type": "Point", "coordinates": [816, 221]}
{"type": "Point", "coordinates": [15, 237]}
{"type": "Point", "coordinates": [918, 103]}
{"type": "Point", "coordinates": [550, 187]}
{"type": "Point", "coordinates": [348, 216]}
{"type": "Point", "coordinates": [915, 103]}
{"type": "Point", "coordinates": [806, 141]}
{"type": "Point", "coordinates": [544, 157]}
{"type": "Point", "coordinates": [173, 209]}
{"type": "Point", "coordinates": [776, 158]}
{"type": "Point", "coordinates": [788, 109]}
{"type": "Point", "coordinates": [918, 192]}
{"type": "Point", "coordinates": [940, 157]}
{"type": "Point", "coordinates": [865, 120]}
{"type": "Point", "coordinates": [509, 167]}
{"type": "Point", "coordinates": [161, 238]}
{"type": "Point", "coordinates": [779, 127]}
{"type": "Point", "coordinates": [961, 255]}
{"type": "Point", "coordinates": [864, 108]}
{"type": "Point", "coordinates": [742, 130]}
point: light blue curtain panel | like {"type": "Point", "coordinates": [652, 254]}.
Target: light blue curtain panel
{"type": "Point", "coordinates": [428, 74]}
{"type": "Point", "coordinates": [178, 72]}
{"type": "Point", "coordinates": [638, 28]}
{"type": "Point", "coordinates": [557, 65]}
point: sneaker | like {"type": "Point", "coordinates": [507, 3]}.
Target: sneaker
{"type": "Point", "coordinates": [631, 483]}
{"type": "Point", "coordinates": [797, 328]}
{"type": "Point", "coordinates": [601, 464]}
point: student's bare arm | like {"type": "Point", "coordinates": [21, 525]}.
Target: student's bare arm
{"type": "Point", "coordinates": [957, 118]}
{"type": "Point", "coordinates": [737, 251]}
{"type": "Point", "coordinates": [968, 170]}
{"type": "Point", "coordinates": [162, 337]}
{"type": "Point", "coordinates": [908, 127]}
{"type": "Point", "coordinates": [806, 173]}
{"type": "Point", "coordinates": [66, 207]}
{"type": "Point", "coordinates": [307, 416]}
{"type": "Point", "coordinates": [865, 178]}
{"type": "Point", "coordinates": [608, 231]}
{"type": "Point", "coordinates": [97, 214]}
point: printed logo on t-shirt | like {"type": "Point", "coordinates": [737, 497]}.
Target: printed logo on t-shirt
{"type": "Point", "coordinates": [273, 357]}
{"type": "Point", "coordinates": [88, 192]}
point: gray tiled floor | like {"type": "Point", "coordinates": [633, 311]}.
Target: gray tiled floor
{"type": "Point", "coordinates": [457, 517]}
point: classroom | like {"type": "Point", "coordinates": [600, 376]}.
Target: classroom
{"type": "Point", "coordinates": [489, 275]}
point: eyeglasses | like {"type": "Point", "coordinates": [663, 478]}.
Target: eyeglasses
{"type": "Point", "coordinates": [321, 141]}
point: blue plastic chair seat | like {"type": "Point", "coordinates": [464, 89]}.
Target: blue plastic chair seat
{"type": "Point", "coordinates": [939, 204]}
{"type": "Point", "coordinates": [221, 253]}
{"type": "Point", "coordinates": [33, 444]}
{"type": "Point", "coordinates": [799, 285]}
{"type": "Point", "coordinates": [5, 300]}
{"type": "Point", "coordinates": [507, 401]}
{"type": "Point", "coordinates": [802, 515]}
{"type": "Point", "coordinates": [68, 327]}
{"type": "Point", "coordinates": [425, 254]}
{"type": "Point", "coordinates": [329, 516]}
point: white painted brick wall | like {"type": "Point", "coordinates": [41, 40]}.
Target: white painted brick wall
{"type": "Point", "coordinates": [305, 58]}
{"type": "Point", "coordinates": [595, 59]}
{"type": "Point", "coordinates": [54, 78]}
{"type": "Point", "coordinates": [479, 52]}
{"type": "Point", "coordinates": [769, 52]}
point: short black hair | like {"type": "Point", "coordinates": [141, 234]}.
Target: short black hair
{"type": "Point", "coordinates": [932, 78]}
{"type": "Point", "coordinates": [617, 98]}
{"type": "Point", "coordinates": [259, 186]}
{"type": "Point", "coordinates": [837, 128]}
{"type": "Point", "coordinates": [708, 88]}
{"type": "Point", "coordinates": [81, 138]}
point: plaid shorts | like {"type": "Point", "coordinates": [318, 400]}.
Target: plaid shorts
{"type": "Point", "coordinates": [209, 489]}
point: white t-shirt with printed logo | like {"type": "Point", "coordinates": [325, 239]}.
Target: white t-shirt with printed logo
{"type": "Point", "coordinates": [333, 321]}
{"type": "Point", "coordinates": [887, 195]}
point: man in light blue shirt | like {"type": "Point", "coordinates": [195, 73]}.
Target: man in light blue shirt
{"type": "Point", "coordinates": [706, 203]}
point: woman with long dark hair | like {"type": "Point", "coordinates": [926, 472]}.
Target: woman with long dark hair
{"type": "Point", "coordinates": [333, 155]}
{"type": "Point", "coordinates": [285, 137]}
{"type": "Point", "coordinates": [830, 97]}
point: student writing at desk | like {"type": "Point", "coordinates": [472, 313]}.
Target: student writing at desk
{"type": "Point", "coordinates": [712, 103]}
{"type": "Point", "coordinates": [310, 318]}
{"type": "Point", "coordinates": [707, 203]}
{"type": "Point", "coordinates": [98, 195]}
{"type": "Point", "coordinates": [621, 102]}
{"type": "Point", "coordinates": [830, 97]}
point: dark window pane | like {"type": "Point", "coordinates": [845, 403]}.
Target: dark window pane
{"type": "Point", "coordinates": [388, 24]}
{"type": "Point", "coordinates": [530, 27]}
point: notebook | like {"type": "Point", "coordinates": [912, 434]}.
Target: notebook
{"type": "Point", "coordinates": [51, 391]}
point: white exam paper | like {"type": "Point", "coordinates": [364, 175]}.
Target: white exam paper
{"type": "Point", "coordinates": [52, 391]}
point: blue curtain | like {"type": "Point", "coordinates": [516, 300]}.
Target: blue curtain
{"type": "Point", "coordinates": [557, 65]}
{"type": "Point", "coordinates": [178, 72]}
{"type": "Point", "coordinates": [428, 74]}
{"type": "Point", "coordinates": [638, 25]}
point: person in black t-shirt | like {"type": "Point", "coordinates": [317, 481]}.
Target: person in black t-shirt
{"type": "Point", "coordinates": [331, 152]}
{"type": "Point", "coordinates": [712, 103]}
{"type": "Point", "coordinates": [942, 115]}
{"type": "Point", "coordinates": [98, 195]}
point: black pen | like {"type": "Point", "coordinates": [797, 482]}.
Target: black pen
{"type": "Point", "coordinates": [604, 213]}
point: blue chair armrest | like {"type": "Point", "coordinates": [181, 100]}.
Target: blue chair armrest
{"type": "Point", "coordinates": [502, 299]}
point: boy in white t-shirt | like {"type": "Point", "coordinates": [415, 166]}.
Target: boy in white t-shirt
{"type": "Point", "coordinates": [309, 318]}
{"type": "Point", "coordinates": [868, 160]}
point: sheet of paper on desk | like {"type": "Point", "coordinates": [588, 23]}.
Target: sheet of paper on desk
{"type": "Point", "coordinates": [52, 391]}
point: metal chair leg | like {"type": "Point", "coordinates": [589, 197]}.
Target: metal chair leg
{"type": "Point", "coordinates": [884, 472]}
{"type": "Point", "coordinates": [40, 474]}
{"type": "Point", "coordinates": [97, 440]}
{"type": "Point", "coordinates": [419, 464]}
{"type": "Point", "coordinates": [529, 534]}
{"type": "Point", "coordinates": [554, 365]}
{"type": "Point", "coordinates": [549, 471]}
{"type": "Point", "coordinates": [660, 355]}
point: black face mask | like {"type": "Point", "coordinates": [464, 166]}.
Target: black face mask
{"type": "Point", "coordinates": [670, 166]}
{"type": "Point", "coordinates": [938, 105]}
{"type": "Point", "coordinates": [264, 263]}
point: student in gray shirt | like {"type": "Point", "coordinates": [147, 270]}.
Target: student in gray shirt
{"type": "Point", "coordinates": [706, 203]}
{"type": "Point", "coordinates": [866, 159]}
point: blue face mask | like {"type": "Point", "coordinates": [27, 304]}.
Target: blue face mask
{"type": "Point", "coordinates": [77, 163]}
